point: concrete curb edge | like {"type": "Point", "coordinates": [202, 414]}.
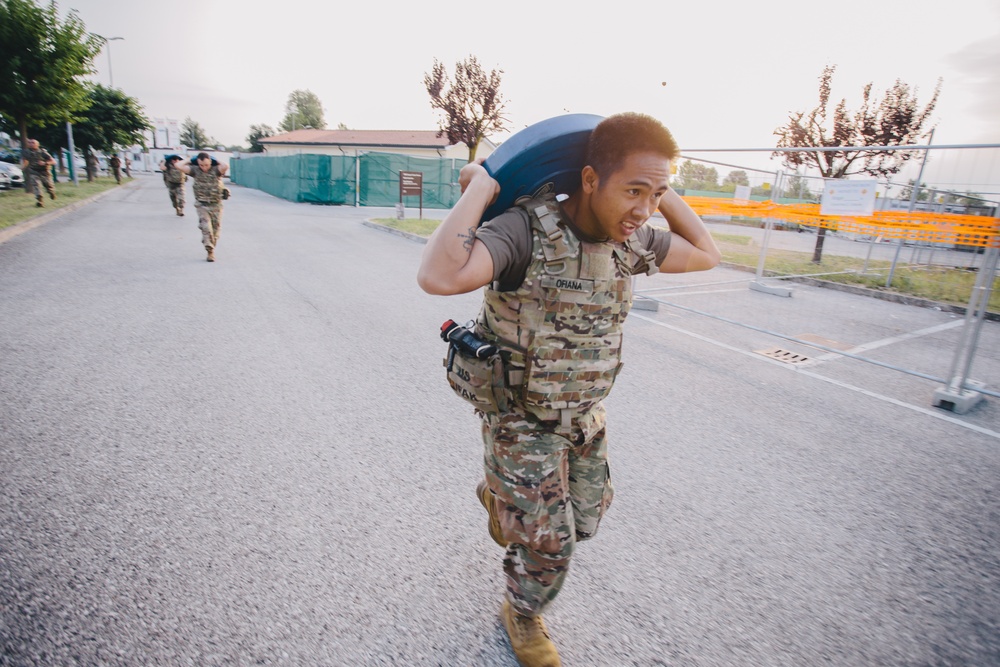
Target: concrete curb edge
{"type": "Point", "coordinates": [397, 232]}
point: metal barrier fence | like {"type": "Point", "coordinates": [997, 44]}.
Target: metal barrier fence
{"type": "Point", "coordinates": [929, 222]}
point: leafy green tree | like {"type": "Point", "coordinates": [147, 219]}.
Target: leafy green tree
{"type": "Point", "coordinates": [737, 177]}
{"type": "Point", "coordinates": [258, 132]}
{"type": "Point", "coordinates": [923, 192]}
{"type": "Point", "coordinates": [895, 121]}
{"type": "Point", "coordinates": [972, 199]}
{"type": "Point", "coordinates": [693, 175]}
{"type": "Point", "coordinates": [303, 111]}
{"type": "Point", "coordinates": [42, 62]}
{"type": "Point", "coordinates": [113, 121]}
{"type": "Point", "coordinates": [471, 105]}
{"type": "Point", "coordinates": [796, 187]}
{"type": "Point", "coordinates": [194, 136]}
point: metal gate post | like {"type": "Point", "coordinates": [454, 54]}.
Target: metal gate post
{"type": "Point", "coordinates": [960, 394]}
{"type": "Point", "coordinates": [757, 285]}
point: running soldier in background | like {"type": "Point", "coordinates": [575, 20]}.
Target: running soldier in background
{"type": "Point", "coordinates": [174, 179]}
{"type": "Point", "coordinates": [92, 167]}
{"type": "Point", "coordinates": [558, 288]}
{"type": "Point", "coordinates": [116, 167]}
{"type": "Point", "coordinates": [207, 173]}
{"type": "Point", "coordinates": [37, 167]}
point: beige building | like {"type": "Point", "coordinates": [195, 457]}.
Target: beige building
{"type": "Point", "coordinates": [419, 143]}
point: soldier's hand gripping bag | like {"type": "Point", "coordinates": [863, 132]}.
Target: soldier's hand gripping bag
{"type": "Point", "coordinates": [474, 369]}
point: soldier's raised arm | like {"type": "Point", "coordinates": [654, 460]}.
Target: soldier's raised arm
{"type": "Point", "coordinates": [454, 262]}
{"type": "Point", "coordinates": [691, 246]}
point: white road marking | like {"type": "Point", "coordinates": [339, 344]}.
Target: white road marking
{"type": "Point", "coordinates": [798, 369]}
{"type": "Point", "coordinates": [894, 339]}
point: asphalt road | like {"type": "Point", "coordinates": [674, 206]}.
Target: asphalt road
{"type": "Point", "coordinates": [258, 462]}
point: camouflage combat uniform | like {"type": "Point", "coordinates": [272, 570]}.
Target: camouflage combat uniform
{"type": "Point", "coordinates": [208, 203]}
{"type": "Point", "coordinates": [39, 172]}
{"type": "Point", "coordinates": [116, 168]}
{"type": "Point", "coordinates": [174, 179]}
{"type": "Point", "coordinates": [546, 456]}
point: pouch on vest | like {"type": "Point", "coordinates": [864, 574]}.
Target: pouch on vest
{"type": "Point", "coordinates": [474, 373]}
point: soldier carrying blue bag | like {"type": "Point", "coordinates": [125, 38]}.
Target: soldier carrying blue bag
{"type": "Point", "coordinates": [546, 346]}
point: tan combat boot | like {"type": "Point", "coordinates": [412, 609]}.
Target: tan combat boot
{"type": "Point", "coordinates": [489, 501]}
{"type": "Point", "coordinates": [529, 638]}
{"type": "Point", "coordinates": [39, 203]}
{"type": "Point", "coordinates": [211, 254]}
{"type": "Point", "coordinates": [180, 211]}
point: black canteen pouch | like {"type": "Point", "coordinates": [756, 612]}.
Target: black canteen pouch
{"type": "Point", "coordinates": [477, 381]}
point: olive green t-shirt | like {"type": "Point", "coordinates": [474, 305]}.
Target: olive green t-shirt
{"type": "Point", "coordinates": [508, 238]}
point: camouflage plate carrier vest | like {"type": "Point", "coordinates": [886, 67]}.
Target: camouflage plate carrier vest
{"type": "Point", "coordinates": [38, 160]}
{"type": "Point", "coordinates": [174, 176]}
{"type": "Point", "coordinates": [207, 187]}
{"type": "Point", "coordinates": [560, 332]}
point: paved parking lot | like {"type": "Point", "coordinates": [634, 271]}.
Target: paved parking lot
{"type": "Point", "coordinates": [258, 461]}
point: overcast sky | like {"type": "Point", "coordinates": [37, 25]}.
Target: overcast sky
{"type": "Point", "coordinates": [719, 74]}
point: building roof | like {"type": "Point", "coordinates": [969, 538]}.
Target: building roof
{"type": "Point", "coordinates": [387, 138]}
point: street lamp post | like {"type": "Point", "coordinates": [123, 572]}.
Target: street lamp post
{"type": "Point", "coordinates": [111, 74]}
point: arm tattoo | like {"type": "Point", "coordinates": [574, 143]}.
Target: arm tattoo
{"type": "Point", "coordinates": [470, 239]}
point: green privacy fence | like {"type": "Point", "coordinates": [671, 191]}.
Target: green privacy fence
{"type": "Point", "coordinates": [371, 178]}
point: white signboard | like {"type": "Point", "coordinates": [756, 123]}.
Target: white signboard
{"type": "Point", "coordinates": [742, 194]}
{"type": "Point", "coordinates": [842, 197]}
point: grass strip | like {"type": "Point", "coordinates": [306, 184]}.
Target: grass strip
{"type": "Point", "coordinates": [16, 205]}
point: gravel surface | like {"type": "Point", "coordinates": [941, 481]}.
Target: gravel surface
{"type": "Point", "coordinates": [257, 461]}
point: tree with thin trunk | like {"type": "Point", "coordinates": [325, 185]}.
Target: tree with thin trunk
{"type": "Point", "coordinates": [194, 136]}
{"type": "Point", "coordinates": [896, 120]}
{"type": "Point", "coordinates": [471, 105]}
{"type": "Point", "coordinates": [113, 121]}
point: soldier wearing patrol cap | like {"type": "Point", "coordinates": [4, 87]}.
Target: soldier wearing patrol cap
{"type": "Point", "coordinates": [558, 288]}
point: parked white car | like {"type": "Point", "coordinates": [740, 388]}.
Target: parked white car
{"type": "Point", "coordinates": [15, 177]}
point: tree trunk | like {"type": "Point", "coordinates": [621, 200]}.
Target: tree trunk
{"type": "Point", "coordinates": [818, 251]}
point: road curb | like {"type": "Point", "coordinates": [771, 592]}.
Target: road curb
{"type": "Point", "coordinates": [8, 233]}
{"type": "Point", "coordinates": [397, 232]}
{"type": "Point", "coordinates": [893, 297]}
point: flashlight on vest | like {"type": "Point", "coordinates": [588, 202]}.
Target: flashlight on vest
{"type": "Point", "coordinates": [467, 342]}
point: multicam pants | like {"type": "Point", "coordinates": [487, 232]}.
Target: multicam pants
{"type": "Point", "coordinates": [176, 194]}
{"type": "Point", "coordinates": [40, 181]}
{"type": "Point", "coordinates": [551, 491]}
{"type": "Point", "coordinates": [209, 222]}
